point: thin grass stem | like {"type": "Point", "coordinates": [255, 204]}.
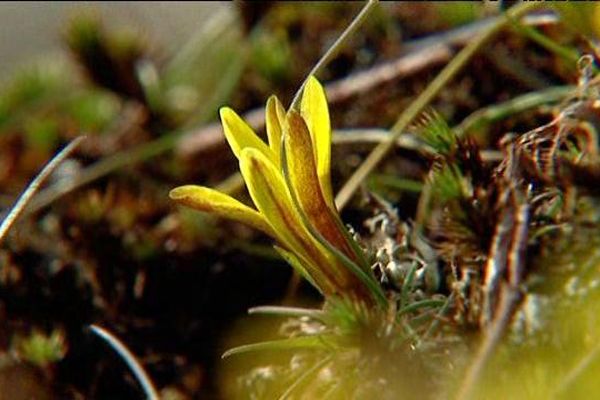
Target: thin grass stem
{"type": "Point", "coordinates": [335, 48]}
{"type": "Point", "coordinates": [134, 365]}
{"type": "Point", "coordinates": [100, 169]}
{"type": "Point", "coordinates": [28, 194]}
{"type": "Point", "coordinates": [424, 99]}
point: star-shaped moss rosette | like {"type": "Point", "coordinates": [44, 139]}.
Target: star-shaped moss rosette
{"type": "Point", "coordinates": [290, 185]}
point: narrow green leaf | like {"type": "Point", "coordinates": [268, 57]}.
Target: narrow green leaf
{"type": "Point", "coordinates": [283, 311]}
{"type": "Point", "coordinates": [421, 304]}
{"type": "Point", "coordinates": [407, 284]}
{"type": "Point", "coordinates": [397, 183]}
{"type": "Point", "coordinates": [317, 342]}
{"type": "Point", "coordinates": [436, 133]}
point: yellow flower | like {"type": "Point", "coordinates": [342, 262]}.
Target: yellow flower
{"type": "Point", "coordinates": [290, 185]}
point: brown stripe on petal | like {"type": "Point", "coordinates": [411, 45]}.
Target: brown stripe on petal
{"type": "Point", "coordinates": [315, 112]}
{"type": "Point", "coordinates": [319, 265]}
{"type": "Point", "coordinates": [305, 184]}
{"type": "Point", "coordinates": [272, 198]}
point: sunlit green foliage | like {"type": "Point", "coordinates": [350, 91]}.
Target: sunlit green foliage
{"type": "Point", "coordinates": [41, 349]}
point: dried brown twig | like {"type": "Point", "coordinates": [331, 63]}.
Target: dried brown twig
{"type": "Point", "coordinates": [505, 259]}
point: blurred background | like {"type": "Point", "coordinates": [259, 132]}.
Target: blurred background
{"type": "Point", "coordinates": [29, 29]}
{"type": "Point", "coordinates": [101, 242]}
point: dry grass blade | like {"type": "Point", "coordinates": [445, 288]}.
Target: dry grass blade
{"type": "Point", "coordinates": [27, 195]}
{"type": "Point", "coordinates": [133, 364]}
{"type": "Point", "coordinates": [101, 168]}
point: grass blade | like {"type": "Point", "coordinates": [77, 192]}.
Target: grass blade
{"type": "Point", "coordinates": [134, 365]}
{"type": "Point", "coordinates": [319, 342]}
{"type": "Point", "coordinates": [27, 195]}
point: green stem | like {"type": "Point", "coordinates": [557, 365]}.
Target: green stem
{"type": "Point", "coordinates": [425, 98]}
{"type": "Point", "coordinates": [394, 182]}
{"type": "Point", "coordinates": [569, 54]}
{"type": "Point", "coordinates": [499, 111]}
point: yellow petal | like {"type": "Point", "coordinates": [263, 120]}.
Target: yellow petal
{"type": "Point", "coordinates": [272, 198]}
{"type": "Point", "coordinates": [274, 118]}
{"type": "Point", "coordinates": [315, 112]}
{"type": "Point", "coordinates": [240, 135]}
{"type": "Point", "coordinates": [304, 182]}
{"type": "Point", "coordinates": [209, 200]}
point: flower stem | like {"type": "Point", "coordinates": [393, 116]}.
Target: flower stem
{"type": "Point", "coordinates": [334, 50]}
